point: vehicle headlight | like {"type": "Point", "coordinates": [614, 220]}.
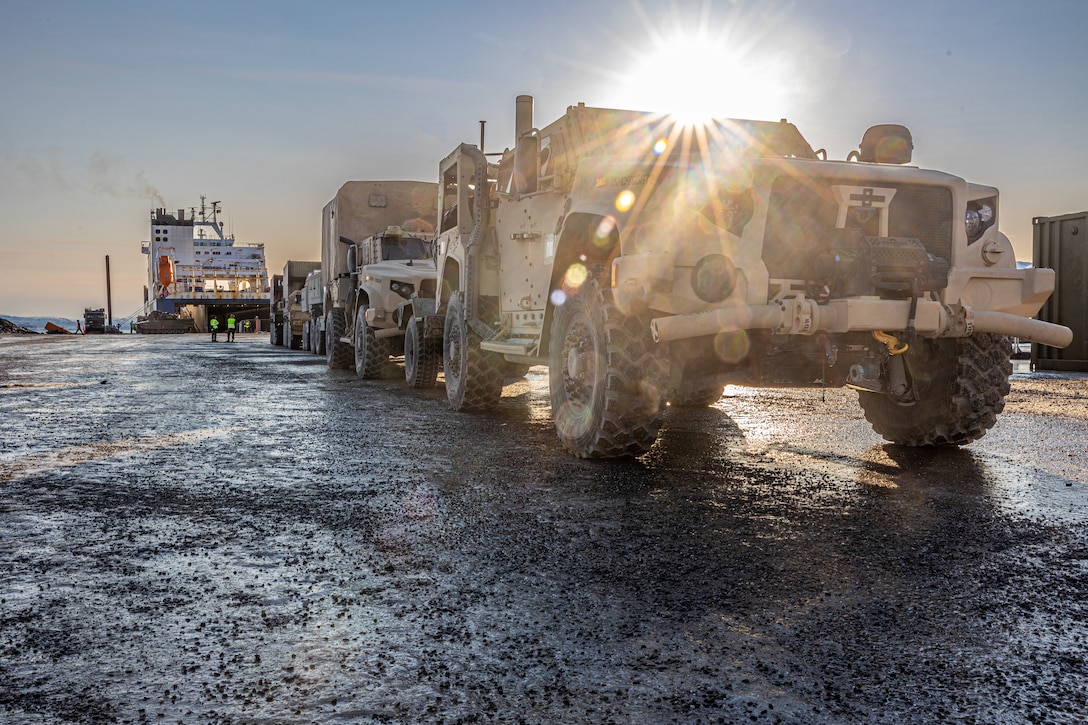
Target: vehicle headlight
{"type": "Point", "coordinates": [980, 217]}
{"type": "Point", "coordinates": [714, 278]}
{"type": "Point", "coordinates": [973, 223]}
{"type": "Point", "coordinates": [404, 289]}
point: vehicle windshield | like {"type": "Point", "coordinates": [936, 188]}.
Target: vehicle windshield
{"type": "Point", "coordinates": [394, 248]}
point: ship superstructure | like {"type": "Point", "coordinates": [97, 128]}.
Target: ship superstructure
{"type": "Point", "coordinates": [197, 270]}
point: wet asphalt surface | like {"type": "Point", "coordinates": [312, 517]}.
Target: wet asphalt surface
{"type": "Point", "coordinates": [204, 533]}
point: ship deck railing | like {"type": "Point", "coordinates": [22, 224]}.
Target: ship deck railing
{"type": "Point", "coordinates": [239, 280]}
{"type": "Point", "coordinates": [256, 295]}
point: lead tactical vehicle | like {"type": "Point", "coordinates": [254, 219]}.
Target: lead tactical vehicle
{"type": "Point", "coordinates": [649, 263]}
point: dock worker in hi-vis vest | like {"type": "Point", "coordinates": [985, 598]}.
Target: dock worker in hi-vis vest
{"type": "Point", "coordinates": [230, 327]}
{"type": "Point", "coordinates": [214, 325]}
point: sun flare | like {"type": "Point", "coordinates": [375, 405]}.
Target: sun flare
{"type": "Point", "coordinates": [695, 74]}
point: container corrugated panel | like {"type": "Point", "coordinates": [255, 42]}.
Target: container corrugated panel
{"type": "Point", "coordinates": [1061, 243]}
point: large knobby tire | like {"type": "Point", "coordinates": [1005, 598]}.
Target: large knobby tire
{"type": "Point", "coordinates": [338, 355]}
{"type": "Point", "coordinates": [961, 383]}
{"type": "Point", "coordinates": [371, 354]}
{"type": "Point", "coordinates": [318, 344]}
{"type": "Point", "coordinates": [604, 372]}
{"type": "Point", "coordinates": [473, 376]}
{"type": "Point", "coordinates": [274, 334]}
{"type": "Point", "coordinates": [306, 337]}
{"type": "Point", "coordinates": [422, 357]}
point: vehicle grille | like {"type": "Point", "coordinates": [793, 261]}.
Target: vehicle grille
{"type": "Point", "coordinates": [924, 213]}
{"type": "Point", "coordinates": [802, 211]}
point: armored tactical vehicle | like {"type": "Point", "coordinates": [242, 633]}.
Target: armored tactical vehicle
{"type": "Point", "coordinates": [647, 263]}
{"type": "Point", "coordinates": [396, 275]}
{"type": "Point", "coordinates": [376, 260]}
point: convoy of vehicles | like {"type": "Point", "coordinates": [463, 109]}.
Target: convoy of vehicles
{"type": "Point", "coordinates": [647, 263]}
{"type": "Point", "coordinates": [287, 314]}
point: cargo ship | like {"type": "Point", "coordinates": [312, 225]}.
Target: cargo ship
{"type": "Point", "coordinates": [195, 271]}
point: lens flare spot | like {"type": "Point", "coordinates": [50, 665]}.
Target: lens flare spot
{"type": "Point", "coordinates": [625, 200]}
{"type": "Point", "coordinates": [576, 276]}
{"type": "Point", "coordinates": [558, 297]}
{"type": "Point", "coordinates": [660, 146]}
{"type": "Point", "coordinates": [604, 232]}
{"type": "Point", "coordinates": [732, 347]}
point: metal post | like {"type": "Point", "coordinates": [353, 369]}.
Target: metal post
{"type": "Point", "coordinates": [109, 296]}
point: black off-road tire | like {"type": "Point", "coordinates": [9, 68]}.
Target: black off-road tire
{"type": "Point", "coordinates": [422, 358]}
{"type": "Point", "coordinates": [338, 355]}
{"type": "Point", "coordinates": [306, 336]}
{"type": "Point", "coordinates": [474, 377]}
{"type": "Point", "coordinates": [274, 334]}
{"type": "Point", "coordinates": [371, 354]}
{"type": "Point", "coordinates": [318, 345]}
{"type": "Point", "coordinates": [962, 384]}
{"type": "Point", "coordinates": [604, 373]}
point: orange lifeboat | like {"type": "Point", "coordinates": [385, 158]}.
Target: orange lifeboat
{"type": "Point", "coordinates": [166, 271]}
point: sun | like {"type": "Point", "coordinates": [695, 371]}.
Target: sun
{"type": "Point", "coordinates": [695, 73]}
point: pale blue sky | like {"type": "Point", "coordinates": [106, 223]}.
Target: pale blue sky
{"type": "Point", "coordinates": [111, 108]}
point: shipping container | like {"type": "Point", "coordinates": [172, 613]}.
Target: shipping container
{"type": "Point", "coordinates": [1061, 243]}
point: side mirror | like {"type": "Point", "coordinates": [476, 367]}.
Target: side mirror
{"type": "Point", "coordinates": [887, 143]}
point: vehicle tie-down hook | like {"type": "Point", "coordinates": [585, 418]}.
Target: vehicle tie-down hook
{"type": "Point", "coordinates": [895, 347]}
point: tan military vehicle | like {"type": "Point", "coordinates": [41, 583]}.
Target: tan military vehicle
{"type": "Point", "coordinates": [376, 261]}
{"type": "Point", "coordinates": [296, 315]}
{"type": "Point", "coordinates": [649, 263]}
{"type": "Point", "coordinates": [312, 297]}
{"type": "Point", "coordinates": [396, 279]}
